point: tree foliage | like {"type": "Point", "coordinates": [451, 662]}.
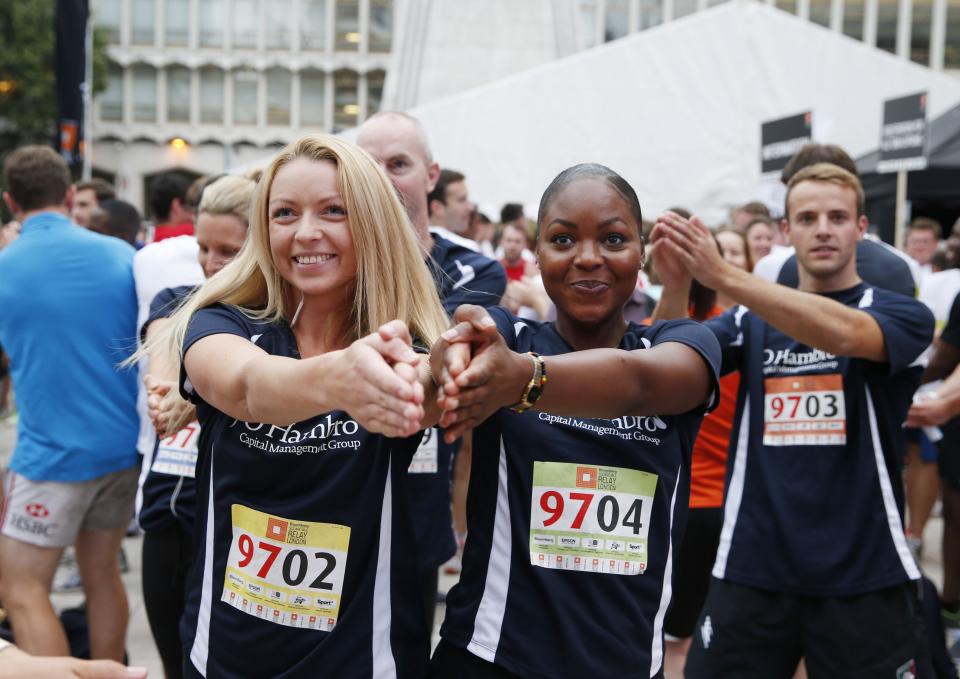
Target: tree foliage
{"type": "Point", "coordinates": [28, 97]}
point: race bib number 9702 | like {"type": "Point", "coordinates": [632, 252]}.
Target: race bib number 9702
{"type": "Point", "coordinates": [590, 518]}
{"type": "Point", "coordinates": [808, 410]}
{"type": "Point", "coordinates": [284, 571]}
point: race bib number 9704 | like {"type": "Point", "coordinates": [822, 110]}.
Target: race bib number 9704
{"type": "Point", "coordinates": [590, 518]}
{"type": "Point", "coordinates": [284, 571]}
{"type": "Point", "coordinates": [808, 410]}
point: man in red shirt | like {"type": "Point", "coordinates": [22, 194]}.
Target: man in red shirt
{"type": "Point", "coordinates": [170, 209]}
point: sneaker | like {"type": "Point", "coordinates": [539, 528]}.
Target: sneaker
{"type": "Point", "coordinates": [953, 645]}
{"type": "Point", "coordinates": [71, 583]}
{"type": "Point", "coordinates": [453, 566]}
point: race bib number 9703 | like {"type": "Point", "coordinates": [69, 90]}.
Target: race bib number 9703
{"type": "Point", "coordinates": [590, 518]}
{"type": "Point", "coordinates": [284, 571]}
{"type": "Point", "coordinates": [808, 410]}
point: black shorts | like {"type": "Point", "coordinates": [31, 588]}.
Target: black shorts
{"type": "Point", "coordinates": [750, 633]}
{"type": "Point", "coordinates": [949, 446]}
{"type": "Point", "coordinates": [691, 576]}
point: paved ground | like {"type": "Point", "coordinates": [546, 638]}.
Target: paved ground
{"type": "Point", "coordinates": [140, 644]}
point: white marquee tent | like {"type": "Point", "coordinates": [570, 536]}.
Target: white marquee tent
{"type": "Point", "coordinates": [676, 109]}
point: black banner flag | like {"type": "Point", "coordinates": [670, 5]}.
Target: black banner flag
{"type": "Point", "coordinates": [70, 61]}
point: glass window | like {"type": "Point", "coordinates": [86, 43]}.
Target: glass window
{"type": "Point", "coordinates": [106, 14]}
{"type": "Point", "coordinates": [211, 95]}
{"type": "Point", "coordinates": [587, 20]}
{"type": "Point", "coordinates": [887, 25]}
{"type": "Point", "coordinates": [820, 12]}
{"type": "Point", "coordinates": [245, 98]}
{"type": "Point", "coordinates": [348, 25]}
{"type": "Point", "coordinates": [313, 25]}
{"type": "Point", "coordinates": [142, 20]}
{"type": "Point", "coordinates": [951, 52]}
{"type": "Point", "coordinates": [650, 14]}
{"type": "Point", "coordinates": [682, 8]}
{"type": "Point", "coordinates": [144, 94]}
{"type": "Point", "coordinates": [211, 23]}
{"type": "Point", "coordinates": [244, 23]}
{"type": "Point", "coordinates": [381, 25]}
{"type": "Point", "coordinates": [177, 22]}
{"type": "Point", "coordinates": [374, 91]}
{"type": "Point", "coordinates": [787, 5]}
{"type": "Point", "coordinates": [853, 18]}
{"type": "Point", "coordinates": [111, 101]}
{"type": "Point", "coordinates": [616, 23]}
{"type": "Point", "coordinates": [278, 24]}
{"type": "Point", "coordinates": [921, 20]}
{"type": "Point", "coordinates": [312, 98]}
{"type": "Point", "coordinates": [345, 108]}
{"type": "Point", "coordinates": [178, 94]}
{"type": "Point", "coordinates": [278, 97]}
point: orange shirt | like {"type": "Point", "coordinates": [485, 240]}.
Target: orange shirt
{"type": "Point", "coordinates": [709, 466]}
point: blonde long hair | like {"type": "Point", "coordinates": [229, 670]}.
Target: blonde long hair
{"type": "Point", "coordinates": [392, 280]}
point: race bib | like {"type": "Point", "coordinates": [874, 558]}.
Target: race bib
{"type": "Point", "coordinates": [425, 459]}
{"type": "Point", "coordinates": [590, 518]}
{"type": "Point", "coordinates": [804, 411]}
{"type": "Point", "coordinates": [177, 454]}
{"type": "Point", "coordinates": [286, 572]}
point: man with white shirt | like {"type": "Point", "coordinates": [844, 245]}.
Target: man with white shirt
{"type": "Point", "coordinates": [450, 207]}
{"type": "Point", "coordinates": [398, 142]}
{"type": "Point", "coordinates": [923, 237]}
{"type": "Point", "coordinates": [877, 263]}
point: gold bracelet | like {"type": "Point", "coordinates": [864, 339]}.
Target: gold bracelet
{"type": "Point", "coordinates": [534, 388]}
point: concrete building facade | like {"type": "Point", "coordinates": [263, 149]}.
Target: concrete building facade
{"type": "Point", "coordinates": [206, 85]}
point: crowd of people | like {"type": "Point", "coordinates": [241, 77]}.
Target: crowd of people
{"type": "Point", "coordinates": [646, 447]}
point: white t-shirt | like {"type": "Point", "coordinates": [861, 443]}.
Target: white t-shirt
{"type": "Point", "coordinates": [769, 266]}
{"type": "Point", "coordinates": [454, 238]}
{"type": "Point", "coordinates": [938, 291]}
{"type": "Point", "coordinates": [166, 264]}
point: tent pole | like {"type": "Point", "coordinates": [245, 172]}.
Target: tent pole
{"type": "Point", "coordinates": [900, 217]}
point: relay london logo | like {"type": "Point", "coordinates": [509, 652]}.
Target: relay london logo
{"type": "Point", "coordinates": [586, 477]}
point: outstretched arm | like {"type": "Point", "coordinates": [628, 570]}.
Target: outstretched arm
{"type": "Point", "coordinates": [375, 380]}
{"type": "Point", "coordinates": [667, 379]}
{"type": "Point", "coordinates": [931, 409]}
{"type": "Point", "coordinates": [815, 320]}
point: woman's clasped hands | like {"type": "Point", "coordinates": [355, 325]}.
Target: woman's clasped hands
{"type": "Point", "coordinates": [476, 373]}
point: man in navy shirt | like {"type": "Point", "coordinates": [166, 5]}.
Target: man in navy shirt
{"type": "Point", "coordinates": [398, 142]}
{"type": "Point", "coordinates": [69, 317]}
{"type": "Point", "coordinates": [812, 560]}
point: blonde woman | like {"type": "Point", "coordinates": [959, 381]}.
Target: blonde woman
{"type": "Point", "coordinates": [168, 490]}
{"type": "Point", "coordinates": [308, 396]}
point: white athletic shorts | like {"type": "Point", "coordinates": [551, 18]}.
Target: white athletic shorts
{"type": "Point", "coordinates": [52, 513]}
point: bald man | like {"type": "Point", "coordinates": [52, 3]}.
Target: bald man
{"type": "Point", "coordinates": [399, 143]}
